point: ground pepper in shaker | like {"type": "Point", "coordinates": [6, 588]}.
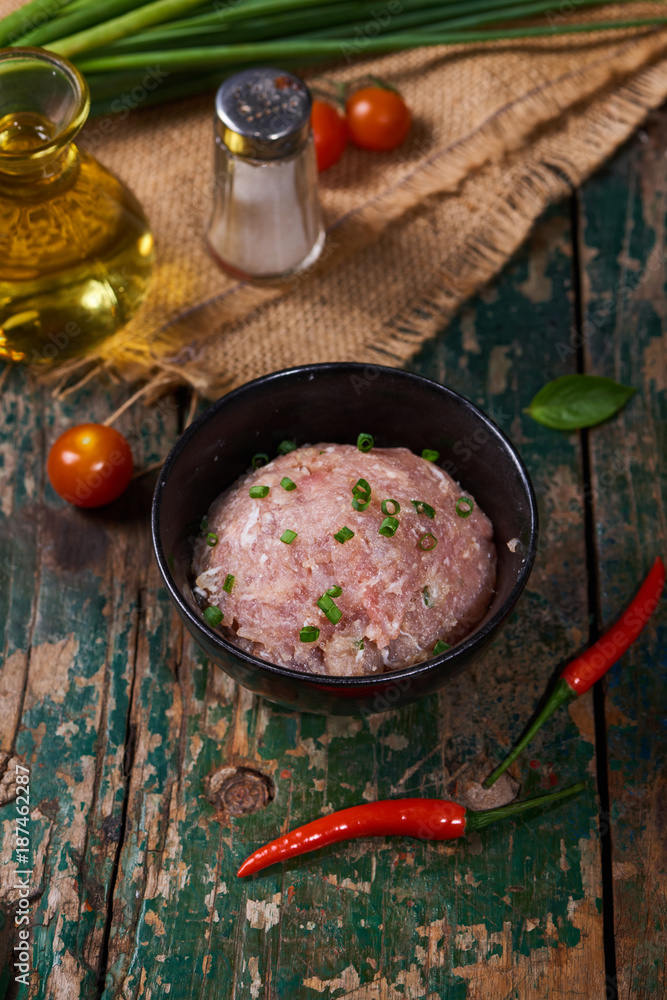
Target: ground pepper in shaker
{"type": "Point", "coordinates": [266, 221]}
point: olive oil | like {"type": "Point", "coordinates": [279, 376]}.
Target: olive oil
{"type": "Point", "coordinates": [76, 252]}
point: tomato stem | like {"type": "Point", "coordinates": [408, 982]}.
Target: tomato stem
{"type": "Point", "coordinates": [334, 92]}
{"type": "Point", "coordinates": [375, 81]}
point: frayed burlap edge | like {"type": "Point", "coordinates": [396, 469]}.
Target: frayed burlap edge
{"type": "Point", "coordinates": [531, 149]}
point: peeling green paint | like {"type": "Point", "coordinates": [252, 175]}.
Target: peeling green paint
{"type": "Point", "coordinates": [141, 698]}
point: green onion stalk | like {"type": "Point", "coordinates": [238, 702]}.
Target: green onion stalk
{"type": "Point", "coordinates": [195, 44]}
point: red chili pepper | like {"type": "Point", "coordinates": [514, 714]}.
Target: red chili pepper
{"type": "Point", "coordinates": [427, 819]}
{"type": "Point", "coordinates": [582, 673]}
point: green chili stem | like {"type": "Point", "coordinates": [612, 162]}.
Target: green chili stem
{"type": "Point", "coordinates": [560, 694]}
{"type": "Point", "coordinates": [478, 820]}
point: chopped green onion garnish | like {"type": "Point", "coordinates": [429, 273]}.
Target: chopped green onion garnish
{"type": "Point", "coordinates": [365, 442]}
{"type": "Point", "coordinates": [343, 535]}
{"type": "Point", "coordinates": [287, 484]}
{"type": "Point", "coordinates": [423, 508]}
{"type": "Point", "coordinates": [440, 647]}
{"type": "Point", "coordinates": [464, 507]}
{"type": "Point", "coordinates": [203, 527]}
{"type": "Point", "coordinates": [211, 539]}
{"type": "Point", "coordinates": [257, 492]}
{"type": "Point", "coordinates": [228, 584]}
{"type": "Point", "coordinates": [361, 491]}
{"type": "Point", "coordinates": [259, 460]}
{"type": "Point", "coordinates": [213, 615]}
{"type": "Point", "coordinates": [362, 488]}
{"type": "Point", "coordinates": [388, 527]}
{"type": "Point", "coordinates": [326, 605]}
{"type": "Point", "coordinates": [358, 643]}
{"type": "Point", "coordinates": [288, 536]}
{"type": "Point", "coordinates": [428, 542]}
{"type": "Point", "coordinates": [430, 456]}
{"type": "Point", "coordinates": [285, 447]}
{"type": "Point", "coordinates": [309, 633]}
{"type": "Point", "coordinates": [334, 591]}
{"type": "Point", "coordinates": [396, 505]}
{"type": "Point", "coordinates": [426, 593]}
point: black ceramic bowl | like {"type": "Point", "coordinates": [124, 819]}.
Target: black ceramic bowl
{"type": "Point", "coordinates": [333, 403]}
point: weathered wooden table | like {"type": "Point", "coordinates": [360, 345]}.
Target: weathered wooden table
{"type": "Point", "coordinates": [121, 721]}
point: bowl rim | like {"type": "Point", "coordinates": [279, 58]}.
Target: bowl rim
{"type": "Point", "coordinates": [464, 649]}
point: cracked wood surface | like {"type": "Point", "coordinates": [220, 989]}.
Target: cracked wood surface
{"type": "Point", "coordinates": [625, 309]}
{"type": "Point", "coordinates": [132, 736]}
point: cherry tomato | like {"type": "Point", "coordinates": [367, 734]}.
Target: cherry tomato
{"type": "Point", "coordinates": [329, 132]}
{"type": "Point", "coordinates": [377, 118]}
{"type": "Point", "coordinates": [90, 465]}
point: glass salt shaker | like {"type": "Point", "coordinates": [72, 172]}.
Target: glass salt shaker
{"type": "Point", "coordinates": [266, 222]}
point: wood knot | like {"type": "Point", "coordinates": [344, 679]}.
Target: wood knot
{"type": "Point", "coordinates": [239, 790]}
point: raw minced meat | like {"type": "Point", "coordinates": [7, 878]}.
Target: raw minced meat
{"type": "Point", "coordinates": [397, 600]}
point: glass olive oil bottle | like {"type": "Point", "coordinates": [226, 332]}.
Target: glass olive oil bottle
{"type": "Point", "coordinates": [76, 252]}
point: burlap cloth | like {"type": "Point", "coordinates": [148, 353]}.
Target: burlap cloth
{"type": "Point", "coordinates": [499, 133]}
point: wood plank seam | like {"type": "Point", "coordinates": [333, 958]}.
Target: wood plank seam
{"type": "Point", "coordinates": [128, 760]}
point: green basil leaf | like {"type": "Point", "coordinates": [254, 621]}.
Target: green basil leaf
{"type": "Point", "coordinates": [574, 401]}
